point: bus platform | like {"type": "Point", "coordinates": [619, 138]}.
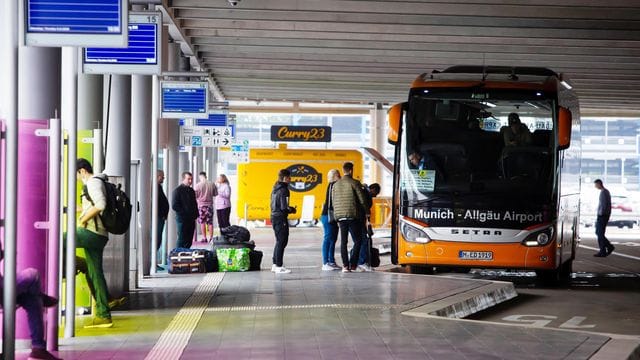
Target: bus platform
{"type": "Point", "coordinates": [315, 314]}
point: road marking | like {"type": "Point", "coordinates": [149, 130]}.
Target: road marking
{"type": "Point", "coordinates": [176, 336]}
{"type": "Point", "coordinates": [541, 321]}
{"type": "Point", "coordinates": [613, 253]}
{"type": "Point", "coordinates": [574, 323]}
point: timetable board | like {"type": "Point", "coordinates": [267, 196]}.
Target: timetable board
{"type": "Point", "coordinates": [185, 99]}
{"type": "Point", "coordinates": [82, 23]}
{"type": "Point", "coordinates": [141, 56]}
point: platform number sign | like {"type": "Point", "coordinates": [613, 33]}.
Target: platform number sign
{"type": "Point", "coordinates": [196, 141]}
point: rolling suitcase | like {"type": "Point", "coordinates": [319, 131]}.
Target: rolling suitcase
{"type": "Point", "coordinates": [189, 261]}
{"type": "Point", "coordinates": [255, 260]}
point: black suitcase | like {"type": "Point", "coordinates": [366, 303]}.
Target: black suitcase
{"type": "Point", "coordinates": [188, 261]}
{"type": "Point", "coordinates": [255, 260]}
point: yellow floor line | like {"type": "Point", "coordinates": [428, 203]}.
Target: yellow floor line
{"type": "Point", "coordinates": [176, 336]}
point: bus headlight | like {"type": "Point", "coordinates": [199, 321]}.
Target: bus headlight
{"type": "Point", "coordinates": [413, 234]}
{"type": "Point", "coordinates": [539, 238]}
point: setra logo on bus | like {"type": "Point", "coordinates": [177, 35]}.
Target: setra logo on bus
{"type": "Point", "coordinates": [303, 178]}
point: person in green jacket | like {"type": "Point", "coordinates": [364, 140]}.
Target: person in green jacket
{"type": "Point", "coordinates": [350, 209]}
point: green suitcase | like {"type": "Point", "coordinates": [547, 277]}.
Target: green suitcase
{"type": "Point", "coordinates": [231, 259]}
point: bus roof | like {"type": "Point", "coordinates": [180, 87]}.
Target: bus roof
{"type": "Point", "coordinates": [491, 77]}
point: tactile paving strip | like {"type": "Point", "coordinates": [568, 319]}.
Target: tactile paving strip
{"type": "Point", "coordinates": [176, 336]}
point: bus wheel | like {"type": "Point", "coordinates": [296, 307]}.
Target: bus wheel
{"type": "Point", "coordinates": [548, 277]}
{"type": "Point", "coordinates": [566, 269]}
{"type": "Point", "coordinates": [421, 269]}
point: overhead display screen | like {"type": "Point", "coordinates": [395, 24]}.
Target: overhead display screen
{"type": "Point", "coordinates": [185, 99]}
{"type": "Point", "coordinates": [141, 56]}
{"type": "Point", "coordinates": [76, 23]}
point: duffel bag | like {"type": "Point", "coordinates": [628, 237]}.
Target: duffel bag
{"type": "Point", "coordinates": [236, 234]}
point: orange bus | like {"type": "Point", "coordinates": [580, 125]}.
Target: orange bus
{"type": "Point", "coordinates": [487, 171]}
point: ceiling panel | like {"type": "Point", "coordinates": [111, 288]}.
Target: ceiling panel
{"type": "Point", "coordinates": [360, 51]}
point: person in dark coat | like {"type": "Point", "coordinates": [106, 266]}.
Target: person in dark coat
{"type": "Point", "coordinates": [280, 210]}
{"type": "Point", "coordinates": [183, 202]}
{"type": "Point", "coordinates": [603, 215]}
{"type": "Point", "coordinates": [163, 208]}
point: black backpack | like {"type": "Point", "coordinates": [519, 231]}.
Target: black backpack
{"type": "Point", "coordinates": [116, 216]}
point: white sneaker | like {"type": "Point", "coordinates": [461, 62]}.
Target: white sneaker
{"type": "Point", "coordinates": [327, 267]}
{"type": "Point", "coordinates": [365, 268]}
{"type": "Point", "coordinates": [273, 268]}
{"type": "Point", "coordinates": [358, 269]}
{"type": "Point", "coordinates": [281, 270]}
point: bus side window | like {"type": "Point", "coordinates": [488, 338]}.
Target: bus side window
{"type": "Point", "coordinates": [541, 137]}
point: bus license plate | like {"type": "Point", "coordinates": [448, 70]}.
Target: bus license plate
{"type": "Point", "coordinates": [475, 255]}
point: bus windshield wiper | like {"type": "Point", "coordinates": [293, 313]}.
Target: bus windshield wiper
{"type": "Point", "coordinates": [426, 201]}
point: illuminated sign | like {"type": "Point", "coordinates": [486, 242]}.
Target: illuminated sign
{"type": "Point", "coordinates": [184, 99]}
{"type": "Point", "coordinates": [76, 23]}
{"type": "Point", "coordinates": [141, 56]}
{"type": "Point", "coordinates": [301, 133]}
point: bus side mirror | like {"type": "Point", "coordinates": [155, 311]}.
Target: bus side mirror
{"type": "Point", "coordinates": [564, 128]}
{"type": "Point", "coordinates": [394, 117]}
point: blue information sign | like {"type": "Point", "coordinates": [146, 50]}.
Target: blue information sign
{"type": "Point", "coordinates": [185, 100]}
{"type": "Point", "coordinates": [76, 22]}
{"type": "Point", "coordinates": [141, 56]}
{"type": "Point", "coordinates": [215, 119]}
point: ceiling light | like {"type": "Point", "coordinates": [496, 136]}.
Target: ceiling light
{"type": "Point", "coordinates": [488, 104]}
{"type": "Point", "coordinates": [566, 85]}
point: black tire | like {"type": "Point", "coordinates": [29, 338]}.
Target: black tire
{"type": "Point", "coordinates": [421, 269]}
{"type": "Point", "coordinates": [566, 269]}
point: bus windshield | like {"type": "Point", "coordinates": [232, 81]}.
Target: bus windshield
{"type": "Point", "coordinates": [467, 143]}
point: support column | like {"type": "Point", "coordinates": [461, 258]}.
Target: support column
{"type": "Point", "coordinates": [378, 141]}
{"type": "Point", "coordinates": [118, 163]}
{"type": "Point", "coordinates": [172, 175]}
{"type": "Point", "coordinates": [38, 101]}
{"type": "Point", "coordinates": [172, 179]}
{"type": "Point", "coordinates": [141, 150]}
{"type": "Point", "coordinates": [9, 170]}
{"type": "Point", "coordinates": [90, 95]}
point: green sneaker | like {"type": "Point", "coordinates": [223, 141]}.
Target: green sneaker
{"type": "Point", "coordinates": [98, 322]}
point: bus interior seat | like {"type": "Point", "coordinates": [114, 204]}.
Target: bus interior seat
{"type": "Point", "coordinates": [450, 157]}
{"type": "Point", "coordinates": [525, 162]}
{"type": "Point", "coordinates": [541, 138]}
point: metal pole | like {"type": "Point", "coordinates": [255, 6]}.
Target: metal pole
{"type": "Point", "coordinates": [155, 97]}
{"type": "Point", "coordinates": [11, 20]}
{"type": "Point", "coordinates": [141, 122]}
{"type": "Point", "coordinates": [68, 97]}
{"type": "Point", "coordinates": [53, 243]}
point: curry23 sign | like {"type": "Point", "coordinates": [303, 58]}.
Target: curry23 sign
{"type": "Point", "coordinates": [303, 178]}
{"type": "Point", "coordinates": [301, 133]}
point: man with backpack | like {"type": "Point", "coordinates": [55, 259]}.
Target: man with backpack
{"type": "Point", "coordinates": [92, 235]}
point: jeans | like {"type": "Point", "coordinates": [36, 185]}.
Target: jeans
{"type": "Point", "coordinates": [329, 241]}
{"type": "Point", "coordinates": [601, 226]}
{"type": "Point", "coordinates": [353, 226]}
{"type": "Point", "coordinates": [29, 296]}
{"type": "Point", "coordinates": [93, 245]}
{"type": "Point", "coordinates": [281, 230]}
{"type": "Point", "coordinates": [185, 228]}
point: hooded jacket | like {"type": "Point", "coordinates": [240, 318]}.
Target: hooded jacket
{"type": "Point", "coordinates": [280, 201]}
{"type": "Point", "coordinates": [349, 199]}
